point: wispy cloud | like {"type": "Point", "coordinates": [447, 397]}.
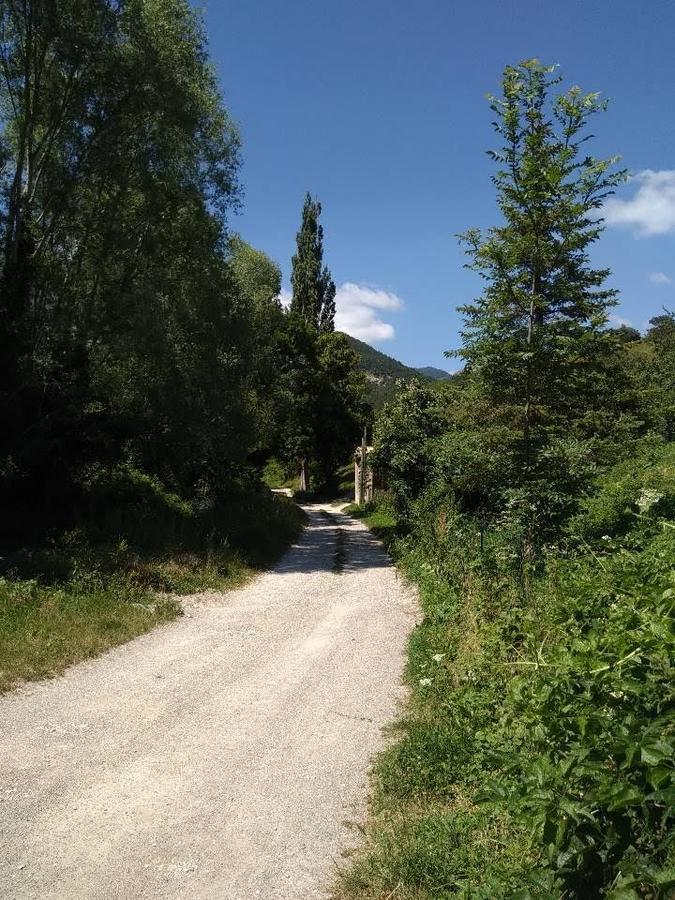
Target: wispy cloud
{"type": "Point", "coordinates": [651, 210]}
{"type": "Point", "coordinates": [659, 278]}
{"type": "Point", "coordinates": [359, 308]}
{"type": "Point", "coordinates": [618, 321]}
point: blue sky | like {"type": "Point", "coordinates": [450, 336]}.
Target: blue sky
{"type": "Point", "coordinates": [378, 108]}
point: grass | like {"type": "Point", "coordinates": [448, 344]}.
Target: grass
{"type": "Point", "coordinates": [274, 476]}
{"type": "Point", "coordinates": [341, 488]}
{"type": "Point", "coordinates": [426, 837]}
{"type": "Point", "coordinates": [45, 628]}
{"type": "Point", "coordinates": [75, 598]}
{"type": "Point", "coordinates": [345, 477]}
{"type": "Point", "coordinates": [538, 720]}
{"type": "Point", "coordinates": [379, 517]}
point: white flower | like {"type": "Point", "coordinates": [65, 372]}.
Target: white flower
{"type": "Point", "coordinates": [647, 499]}
{"type": "Point", "coordinates": [425, 682]}
{"type": "Point", "coordinates": [606, 537]}
{"type": "Point", "coordinates": [437, 657]}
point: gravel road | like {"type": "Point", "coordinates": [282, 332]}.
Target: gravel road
{"type": "Point", "coordinates": [218, 756]}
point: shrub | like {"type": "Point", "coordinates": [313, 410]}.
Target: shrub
{"type": "Point", "coordinates": [637, 490]}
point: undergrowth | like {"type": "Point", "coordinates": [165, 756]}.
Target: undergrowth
{"type": "Point", "coordinates": [82, 592]}
{"type": "Point", "coordinates": [536, 758]}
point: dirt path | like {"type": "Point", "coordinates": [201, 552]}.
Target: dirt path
{"type": "Point", "coordinates": [216, 757]}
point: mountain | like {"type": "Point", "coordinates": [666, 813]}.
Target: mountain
{"type": "Point", "coordinates": [377, 363]}
{"type": "Point", "coordinates": [382, 372]}
{"type": "Point", "coordinates": [434, 374]}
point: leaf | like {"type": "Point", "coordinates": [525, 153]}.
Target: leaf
{"type": "Point", "coordinates": [621, 795]}
{"type": "Point", "coordinates": [623, 893]}
{"type": "Point", "coordinates": [665, 877]}
{"type": "Point", "coordinates": [655, 753]}
{"type": "Point", "coordinates": [657, 776]}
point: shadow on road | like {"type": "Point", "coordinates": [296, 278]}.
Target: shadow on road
{"type": "Point", "coordinates": [316, 550]}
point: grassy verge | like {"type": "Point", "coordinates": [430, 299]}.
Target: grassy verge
{"type": "Point", "coordinates": [76, 597]}
{"type": "Point", "coordinates": [535, 759]}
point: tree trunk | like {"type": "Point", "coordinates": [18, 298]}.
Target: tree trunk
{"type": "Point", "coordinates": [304, 474]}
{"type": "Point", "coordinates": [534, 319]}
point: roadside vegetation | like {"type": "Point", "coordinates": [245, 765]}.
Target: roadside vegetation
{"type": "Point", "coordinates": [81, 593]}
{"type": "Point", "coordinates": [532, 501]}
{"type": "Point", "coordinates": [148, 371]}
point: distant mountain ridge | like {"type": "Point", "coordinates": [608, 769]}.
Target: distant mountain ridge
{"type": "Point", "coordinates": [382, 371]}
{"type": "Point", "coordinates": [434, 373]}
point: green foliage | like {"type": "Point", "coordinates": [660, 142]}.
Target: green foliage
{"type": "Point", "coordinates": [535, 339]}
{"type": "Point", "coordinates": [139, 343]}
{"type": "Point", "coordinates": [630, 496]}
{"type": "Point", "coordinates": [321, 394]}
{"type": "Point", "coordinates": [533, 504]}
{"type": "Point", "coordinates": [593, 777]}
{"type": "Point", "coordinates": [313, 288]}
{"type": "Point", "coordinates": [88, 590]}
{"type": "Point", "coordinates": [258, 280]}
{"type": "Point", "coordinates": [341, 408]}
{"type": "Point", "coordinates": [402, 436]}
{"type": "Point", "coordinates": [541, 721]}
{"type": "Point", "coordinates": [651, 366]}
{"type": "Point", "coordinates": [122, 340]}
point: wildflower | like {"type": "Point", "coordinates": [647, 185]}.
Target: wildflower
{"type": "Point", "coordinates": [425, 682]}
{"type": "Point", "coordinates": [648, 498]}
{"type": "Point", "coordinates": [437, 657]}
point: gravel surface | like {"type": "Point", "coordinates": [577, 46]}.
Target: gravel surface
{"type": "Point", "coordinates": [218, 756]}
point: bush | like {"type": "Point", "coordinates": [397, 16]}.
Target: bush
{"type": "Point", "coordinates": [636, 491]}
{"type": "Point", "coordinates": [541, 722]}
{"type": "Point", "coordinates": [594, 712]}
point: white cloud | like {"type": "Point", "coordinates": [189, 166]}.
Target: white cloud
{"type": "Point", "coordinates": [285, 298]}
{"type": "Point", "coordinates": [659, 278]}
{"type": "Point", "coordinates": [358, 308]}
{"type": "Point", "coordinates": [618, 321]}
{"type": "Point", "coordinates": [651, 210]}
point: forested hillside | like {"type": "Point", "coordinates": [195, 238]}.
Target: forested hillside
{"type": "Point", "coordinates": [148, 369]}
{"type": "Point", "coordinates": [434, 374]}
{"type": "Point", "coordinates": [532, 500]}
{"type": "Point", "coordinates": [383, 372]}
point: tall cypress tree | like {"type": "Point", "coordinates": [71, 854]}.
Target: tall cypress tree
{"type": "Point", "coordinates": [313, 287]}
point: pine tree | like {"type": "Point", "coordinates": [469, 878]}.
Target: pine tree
{"type": "Point", "coordinates": [537, 330]}
{"type": "Point", "coordinates": [537, 337]}
{"type": "Point", "coordinates": [313, 287]}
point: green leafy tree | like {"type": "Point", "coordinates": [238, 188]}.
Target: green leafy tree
{"type": "Point", "coordinates": [651, 364]}
{"type": "Point", "coordinates": [404, 432]}
{"type": "Point", "coordinates": [324, 395]}
{"type": "Point", "coordinates": [341, 408]}
{"type": "Point", "coordinates": [536, 338]}
{"type": "Point", "coordinates": [299, 392]}
{"type": "Point", "coordinates": [258, 279]}
{"type": "Point", "coordinates": [123, 337]}
{"type": "Point", "coordinates": [313, 287]}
